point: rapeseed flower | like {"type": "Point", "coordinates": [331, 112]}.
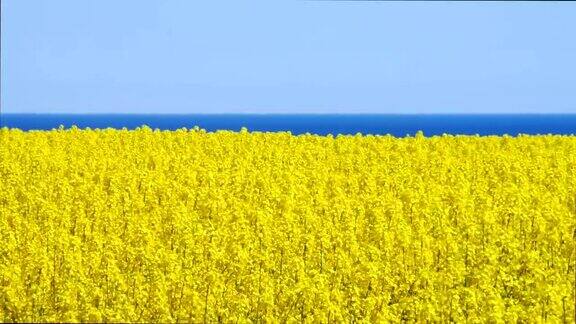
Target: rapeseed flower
{"type": "Point", "coordinates": [164, 226]}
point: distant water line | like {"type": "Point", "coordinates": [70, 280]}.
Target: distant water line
{"type": "Point", "coordinates": [396, 125]}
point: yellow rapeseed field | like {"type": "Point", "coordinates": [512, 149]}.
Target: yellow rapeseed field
{"type": "Point", "coordinates": [190, 226]}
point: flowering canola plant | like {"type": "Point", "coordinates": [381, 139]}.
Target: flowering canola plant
{"type": "Point", "coordinates": [163, 226]}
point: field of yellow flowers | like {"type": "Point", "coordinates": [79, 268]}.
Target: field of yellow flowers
{"type": "Point", "coordinates": [190, 226]}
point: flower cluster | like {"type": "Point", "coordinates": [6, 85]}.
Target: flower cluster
{"type": "Point", "coordinates": [164, 226]}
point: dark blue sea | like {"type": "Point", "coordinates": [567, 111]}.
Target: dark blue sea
{"type": "Point", "coordinates": [397, 125]}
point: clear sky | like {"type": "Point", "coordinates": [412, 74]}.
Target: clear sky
{"type": "Point", "coordinates": [292, 56]}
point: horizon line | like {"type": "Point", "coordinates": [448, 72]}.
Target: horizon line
{"type": "Point", "coordinates": [286, 113]}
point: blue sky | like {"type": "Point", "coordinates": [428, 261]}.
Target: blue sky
{"type": "Point", "coordinates": [288, 56]}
